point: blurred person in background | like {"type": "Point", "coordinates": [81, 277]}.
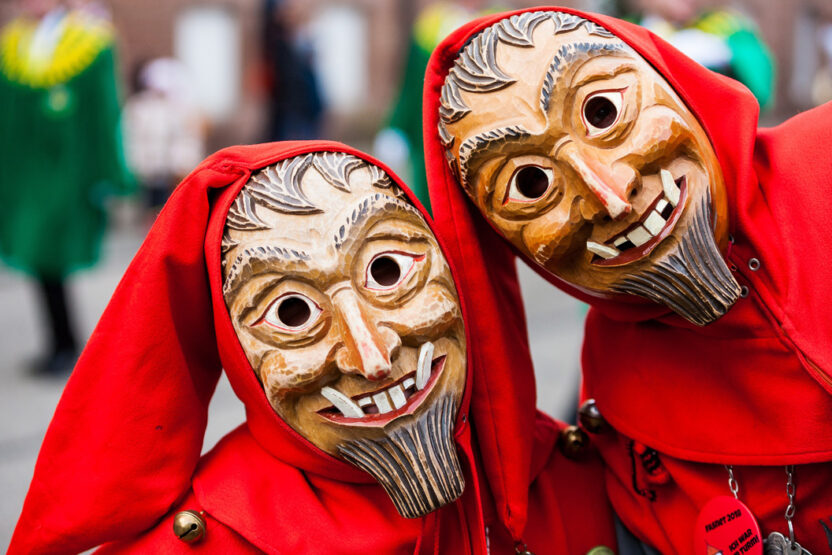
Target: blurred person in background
{"type": "Point", "coordinates": [60, 153]}
{"type": "Point", "coordinates": [295, 103]}
{"type": "Point", "coordinates": [164, 131]}
{"type": "Point", "coordinates": [720, 39]}
{"type": "Point", "coordinates": [400, 142]}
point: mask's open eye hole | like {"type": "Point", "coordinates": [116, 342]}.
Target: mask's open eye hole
{"type": "Point", "coordinates": [385, 271]}
{"type": "Point", "coordinates": [601, 111]}
{"type": "Point", "coordinates": [529, 184]}
{"type": "Point", "coordinates": [389, 269]}
{"type": "Point", "coordinates": [294, 312]}
{"type": "Point", "coordinates": [291, 312]}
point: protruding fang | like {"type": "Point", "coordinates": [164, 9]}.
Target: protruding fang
{"type": "Point", "coordinates": [639, 236]}
{"type": "Point", "coordinates": [408, 383]}
{"type": "Point", "coordinates": [603, 251]}
{"type": "Point", "coordinates": [365, 401]}
{"type": "Point", "coordinates": [397, 396]}
{"type": "Point", "coordinates": [654, 223]}
{"type": "Point", "coordinates": [671, 190]}
{"type": "Point", "coordinates": [382, 402]}
{"type": "Point", "coordinates": [347, 406]}
{"type": "Point", "coordinates": [424, 364]}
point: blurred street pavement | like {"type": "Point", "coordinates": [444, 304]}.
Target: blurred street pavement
{"type": "Point", "coordinates": [27, 403]}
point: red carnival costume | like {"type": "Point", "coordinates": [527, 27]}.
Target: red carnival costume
{"type": "Point", "coordinates": [122, 454]}
{"type": "Point", "coordinates": [751, 389]}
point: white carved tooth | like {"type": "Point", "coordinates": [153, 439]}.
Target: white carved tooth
{"type": "Point", "coordinates": [408, 383]}
{"type": "Point", "coordinates": [639, 236]}
{"type": "Point", "coordinates": [620, 241]}
{"type": "Point", "coordinates": [365, 402]}
{"type": "Point", "coordinates": [671, 191]}
{"type": "Point", "coordinates": [397, 396]}
{"type": "Point", "coordinates": [424, 364]}
{"type": "Point", "coordinates": [347, 406]}
{"type": "Point", "coordinates": [602, 250]}
{"type": "Point", "coordinates": [661, 205]}
{"type": "Point", "coordinates": [654, 223]}
{"type": "Point", "coordinates": [382, 402]}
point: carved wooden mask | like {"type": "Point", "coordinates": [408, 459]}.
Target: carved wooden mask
{"type": "Point", "coordinates": [347, 312]}
{"type": "Point", "coordinates": [584, 157]}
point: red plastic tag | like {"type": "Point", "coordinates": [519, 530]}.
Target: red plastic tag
{"type": "Point", "coordinates": [726, 527]}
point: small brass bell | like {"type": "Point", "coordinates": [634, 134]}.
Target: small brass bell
{"type": "Point", "coordinates": [600, 550]}
{"type": "Point", "coordinates": [590, 417]}
{"type": "Point", "coordinates": [189, 526]}
{"type": "Point", "coordinates": [573, 441]}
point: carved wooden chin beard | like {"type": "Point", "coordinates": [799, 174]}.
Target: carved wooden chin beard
{"type": "Point", "coordinates": [416, 462]}
{"type": "Point", "coordinates": [692, 279]}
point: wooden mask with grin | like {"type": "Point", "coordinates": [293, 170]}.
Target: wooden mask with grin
{"type": "Point", "coordinates": [580, 154]}
{"type": "Point", "coordinates": [347, 311]}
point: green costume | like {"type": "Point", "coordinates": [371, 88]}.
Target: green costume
{"type": "Point", "coordinates": [751, 61]}
{"type": "Point", "coordinates": [60, 143]}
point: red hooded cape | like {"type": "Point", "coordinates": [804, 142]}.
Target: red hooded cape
{"type": "Point", "coordinates": [123, 449]}
{"type": "Point", "coordinates": [751, 388]}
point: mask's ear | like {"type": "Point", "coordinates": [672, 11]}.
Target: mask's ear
{"type": "Point", "coordinates": [127, 433]}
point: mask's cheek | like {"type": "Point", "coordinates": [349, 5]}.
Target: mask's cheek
{"type": "Point", "coordinates": [658, 136]}
{"type": "Point", "coordinates": [552, 236]}
{"type": "Point", "coordinates": [285, 372]}
{"type": "Point", "coordinates": [427, 316]}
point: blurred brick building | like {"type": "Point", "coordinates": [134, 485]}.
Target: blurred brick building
{"type": "Point", "coordinates": [360, 46]}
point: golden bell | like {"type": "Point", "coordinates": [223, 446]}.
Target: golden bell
{"type": "Point", "coordinates": [573, 441]}
{"type": "Point", "coordinates": [600, 550]}
{"type": "Point", "coordinates": [189, 526]}
{"type": "Point", "coordinates": [590, 417]}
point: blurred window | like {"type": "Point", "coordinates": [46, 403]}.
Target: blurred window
{"type": "Point", "coordinates": [339, 40]}
{"type": "Point", "coordinates": [207, 41]}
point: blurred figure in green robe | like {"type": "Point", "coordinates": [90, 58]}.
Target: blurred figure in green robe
{"type": "Point", "coordinates": [60, 152]}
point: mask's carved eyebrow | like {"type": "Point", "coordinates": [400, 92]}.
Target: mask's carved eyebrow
{"type": "Point", "coordinates": [254, 260]}
{"type": "Point", "coordinates": [473, 147]}
{"type": "Point", "coordinates": [566, 57]}
{"type": "Point", "coordinates": [365, 209]}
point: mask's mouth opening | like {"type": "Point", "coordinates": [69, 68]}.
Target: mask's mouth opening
{"type": "Point", "coordinates": [378, 408]}
{"type": "Point", "coordinates": [657, 222]}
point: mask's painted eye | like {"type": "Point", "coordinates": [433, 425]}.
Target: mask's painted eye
{"type": "Point", "coordinates": [601, 111]}
{"type": "Point", "coordinates": [291, 312]}
{"type": "Point", "coordinates": [388, 269]}
{"type": "Point", "coordinates": [529, 184]}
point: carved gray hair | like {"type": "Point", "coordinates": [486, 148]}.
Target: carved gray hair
{"type": "Point", "coordinates": [476, 68]}
{"type": "Point", "coordinates": [279, 188]}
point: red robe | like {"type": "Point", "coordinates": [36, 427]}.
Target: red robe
{"type": "Point", "coordinates": [752, 389]}
{"type": "Point", "coordinates": [122, 454]}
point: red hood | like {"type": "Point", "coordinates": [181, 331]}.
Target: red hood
{"type": "Point", "coordinates": [126, 436]}
{"type": "Point", "coordinates": [750, 369]}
